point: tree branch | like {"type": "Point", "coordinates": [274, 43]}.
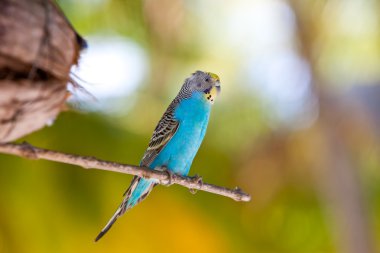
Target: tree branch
{"type": "Point", "coordinates": [28, 151]}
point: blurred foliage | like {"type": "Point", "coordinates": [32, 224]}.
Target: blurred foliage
{"type": "Point", "coordinates": [286, 165]}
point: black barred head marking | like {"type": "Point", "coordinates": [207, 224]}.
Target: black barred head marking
{"type": "Point", "coordinates": [198, 81]}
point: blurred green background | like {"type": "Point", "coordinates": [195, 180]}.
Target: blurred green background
{"type": "Point", "coordinates": [296, 126]}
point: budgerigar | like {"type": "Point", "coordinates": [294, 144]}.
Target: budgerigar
{"type": "Point", "coordinates": [176, 139]}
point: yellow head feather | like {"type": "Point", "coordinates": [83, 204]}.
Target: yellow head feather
{"type": "Point", "coordinates": [214, 76]}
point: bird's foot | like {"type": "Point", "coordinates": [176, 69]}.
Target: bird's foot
{"type": "Point", "coordinates": [170, 175]}
{"type": "Point", "coordinates": [198, 180]}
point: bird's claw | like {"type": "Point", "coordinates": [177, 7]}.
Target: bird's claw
{"type": "Point", "coordinates": [198, 180]}
{"type": "Point", "coordinates": [170, 175]}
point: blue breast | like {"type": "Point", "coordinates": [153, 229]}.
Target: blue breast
{"type": "Point", "coordinates": [178, 154]}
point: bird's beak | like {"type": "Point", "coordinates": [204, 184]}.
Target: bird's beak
{"type": "Point", "coordinates": [217, 86]}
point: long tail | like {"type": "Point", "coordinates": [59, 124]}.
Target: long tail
{"type": "Point", "coordinates": [131, 198]}
{"type": "Point", "coordinates": [109, 224]}
{"type": "Point", "coordinates": [122, 208]}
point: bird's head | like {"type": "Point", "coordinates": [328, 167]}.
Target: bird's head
{"type": "Point", "coordinates": [206, 83]}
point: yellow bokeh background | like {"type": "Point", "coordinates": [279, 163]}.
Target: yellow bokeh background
{"type": "Point", "coordinates": [296, 126]}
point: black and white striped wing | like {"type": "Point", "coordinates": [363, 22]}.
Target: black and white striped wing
{"type": "Point", "coordinates": [164, 131]}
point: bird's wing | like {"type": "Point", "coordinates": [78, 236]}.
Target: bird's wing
{"type": "Point", "coordinates": [163, 133]}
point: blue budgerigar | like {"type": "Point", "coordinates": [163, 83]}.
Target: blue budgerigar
{"type": "Point", "coordinates": [176, 139]}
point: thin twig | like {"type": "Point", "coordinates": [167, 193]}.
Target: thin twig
{"type": "Point", "coordinates": [28, 151]}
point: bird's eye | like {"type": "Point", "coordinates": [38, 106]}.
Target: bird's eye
{"type": "Point", "coordinates": [207, 79]}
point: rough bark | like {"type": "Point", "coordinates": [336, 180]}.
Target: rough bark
{"type": "Point", "coordinates": [163, 177]}
{"type": "Point", "coordinates": [38, 46]}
